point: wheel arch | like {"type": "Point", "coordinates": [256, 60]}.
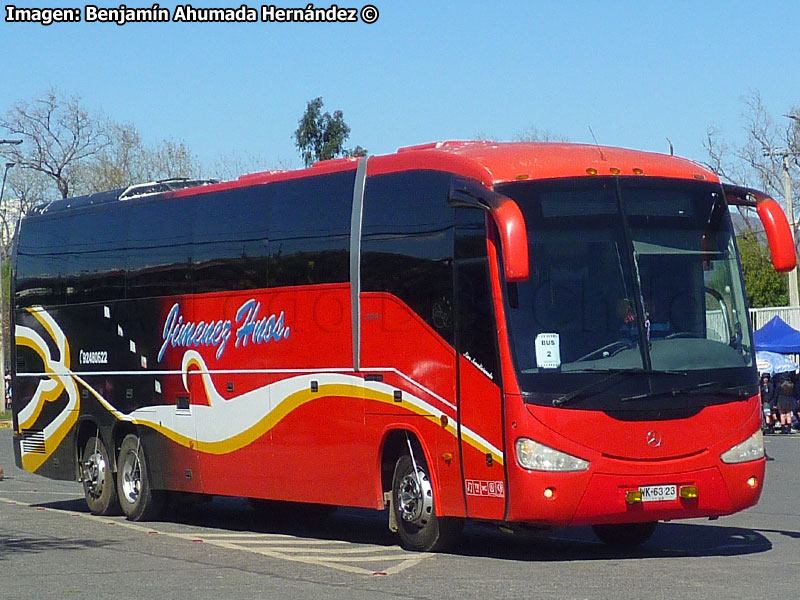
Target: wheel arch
{"type": "Point", "coordinates": [87, 428]}
{"type": "Point", "coordinates": [120, 430]}
{"type": "Point", "coordinates": [394, 445]}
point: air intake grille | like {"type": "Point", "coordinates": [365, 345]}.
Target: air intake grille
{"type": "Point", "coordinates": [33, 441]}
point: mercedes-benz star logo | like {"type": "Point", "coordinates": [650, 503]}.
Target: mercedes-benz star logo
{"type": "Point", "coordinates": [653, 439]}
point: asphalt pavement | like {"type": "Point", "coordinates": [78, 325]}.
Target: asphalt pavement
{"type": "Point", "coordinates": [51, 547]}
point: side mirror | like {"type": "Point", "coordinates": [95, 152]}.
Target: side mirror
{"type": "Point", "coordinates": [776, 226]}
{"type": "Point", "coordinates": [513, 239]}
{"type": "Point", "coordinates": [509, 220]}
{"type": "Point", "coordinates": [779, 235]}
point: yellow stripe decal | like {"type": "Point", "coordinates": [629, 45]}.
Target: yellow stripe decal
{"type": "Point", "coordinates": [224, 426]}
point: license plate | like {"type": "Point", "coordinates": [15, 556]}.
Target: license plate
{"type": "Point", "coordinates": [658, 493]}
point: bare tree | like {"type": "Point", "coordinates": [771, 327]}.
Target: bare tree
{"type": "Point", "coordinates": [24, 189]}
{"type": "Point", "coordinates": [58, 135]}
{"type": "Point", "coordinates": [758, 161]}
{"type": "Point", "coordinates": [534, 134]}
{"type": "Point", "coordinates": [231, 166]}
{"type": "Point", "coordinates": [126, 161]}
{"type": "Point", "coordinates": [66, 151]}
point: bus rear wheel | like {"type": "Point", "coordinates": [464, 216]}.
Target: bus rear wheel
{"type": "Point", "coordinates": [138, 500]}
{"type": "Point", "coordinates": [414, 510]}
{"type": "Point", "coordinates": [625, 535]}
{"type": "Point", "coordinates": [99, 485]}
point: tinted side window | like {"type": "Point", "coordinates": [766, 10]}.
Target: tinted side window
{"type": "Point", "coordinates": [159, 246]}
{"type": "Point", "coordinates": [95, 255]}
{"type": "Point", "coordinates": [475, 332]}
{"type": "Point", "coordinates": [231, 248]}
{"type": "Point", "coordinates": [310, 230]}
{"type": "Point", "coordinates": [41, 261]}
{"type": "Point", "coordinates": [407, 244]}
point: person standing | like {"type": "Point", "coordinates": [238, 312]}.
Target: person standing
{"type": "Point", "coordinates": [768, 399]}
{"type": "Point", "coordinates": [785, 402]}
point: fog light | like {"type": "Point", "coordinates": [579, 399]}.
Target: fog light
{"type": "Point", "coordinates": [633, 497]}
{"type": "Point", "coordinates": [549, 493]}
{"type": "Point", "coordinates": [752, 482]}
{"type": "Point", "coordinates": [688, 492]}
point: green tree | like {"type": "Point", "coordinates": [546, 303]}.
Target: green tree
{"type": "Point", "coordinates": [321, 136]}
{"type": "Point", "coordinates": [764, 286]}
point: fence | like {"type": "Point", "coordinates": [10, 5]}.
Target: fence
{"type": "Point", "coordinates": [760, 316]}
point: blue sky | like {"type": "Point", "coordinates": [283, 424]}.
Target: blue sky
{"type": "Point", "coordinates": [636, 72]}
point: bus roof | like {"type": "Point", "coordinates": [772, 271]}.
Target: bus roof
{"type": "Point", "coordinates": [516, 161]}
{"type": "Point", "coordinates": [489, 163]}
{"type": "Point", "coordinates": [492, 163]}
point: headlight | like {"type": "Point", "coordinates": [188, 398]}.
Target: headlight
{"type": "Point", "coordinates": [750, 449]}
{"type": "Point", "coordinates": [538, 457]}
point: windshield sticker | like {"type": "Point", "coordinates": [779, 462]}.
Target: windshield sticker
{"type": "Point", "coordinates": [548, 351]}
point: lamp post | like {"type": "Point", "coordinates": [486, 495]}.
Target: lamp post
{"type": "Point", "coordinates": [2, 311]}
{"type": "Point", "coordinates": [2, 305]}
{"type": "Point", "coordinates": [2, 301]}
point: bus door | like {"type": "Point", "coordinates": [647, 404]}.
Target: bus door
{"type": "Point", "coordinates": [480, 408]}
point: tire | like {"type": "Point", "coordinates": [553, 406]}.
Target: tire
{"type": "Point", "coordinates": [99, 482]}
{"type": "Point", "coordinates": [139, 502]}
{"type": "Point", "coordinates": [625, 535]}
{"type": "Point", "coordinates": [413, 503]}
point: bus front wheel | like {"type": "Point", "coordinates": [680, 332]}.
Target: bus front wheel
{"type": "Point", "coordinates": [414, 510]}
{"type": "Point", "coordinates": [625, 535]}
{"type": "Point", "coordinates": [138, 500]}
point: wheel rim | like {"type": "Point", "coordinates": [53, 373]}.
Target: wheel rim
{"type": "Point", "coordinates": [131, 474]}
{"type": "Point", "coordinates": [415, 498]}
{"type": "Point", "coordinates": [94, 473]}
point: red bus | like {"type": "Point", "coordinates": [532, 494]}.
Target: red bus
{"type": "Point", "coordinates": [530, 334]}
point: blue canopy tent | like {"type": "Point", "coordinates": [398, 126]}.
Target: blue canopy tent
{"type": "Point", "coordinates": [777, 336]}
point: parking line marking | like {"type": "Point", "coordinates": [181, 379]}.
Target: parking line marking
{"type": "Point", "coordinates": [278, 546]}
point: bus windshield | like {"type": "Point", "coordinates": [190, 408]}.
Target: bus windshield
{"type": "Point", "coordinates": [627, 274]}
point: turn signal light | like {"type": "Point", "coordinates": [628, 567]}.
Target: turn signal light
{"type": "Point", "coordinates": [752, 482]}
{"type": "Point", "coordinates": [633, 497]}
{"type": "Point", "coordinates": [688, 492]}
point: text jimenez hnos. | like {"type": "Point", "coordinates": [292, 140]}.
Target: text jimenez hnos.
{"type": "Point", "coordinates": [181, 13]}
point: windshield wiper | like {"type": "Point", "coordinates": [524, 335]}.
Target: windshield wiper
{"type": "Point", "coordinates": [576, 394]}
{"type": "Point", "coordinates": [716, 387]}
